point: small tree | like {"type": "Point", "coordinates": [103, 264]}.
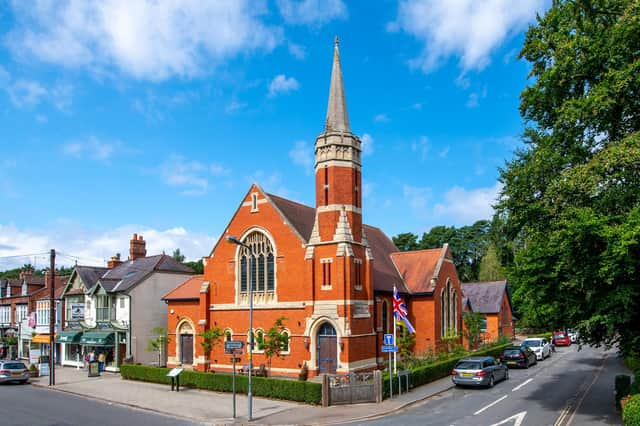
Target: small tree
{"type": "Point", "coordinates": [404, 340]}
{"type": "Point", "coordinates": [11, 342]}
{"type": "Point", "coordinates": [158, 342]}
{"type": "Point", "coordinates": [210, 338]}
{"type": "Point", "coordinates": [473, 327]}
{"type": "Point", "coordinates": [275, 341]}
{"type": "Point", "coordinates": [177, 255]}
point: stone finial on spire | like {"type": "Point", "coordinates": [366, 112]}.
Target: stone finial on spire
{"type": "Point", "coordinates": [337, 117]}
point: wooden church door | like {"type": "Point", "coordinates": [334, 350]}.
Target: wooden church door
{"type": "Point", "coordinates": [327, 349]}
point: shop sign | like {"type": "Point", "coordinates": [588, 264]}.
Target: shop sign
{"type": "Point", "coordinates": [77, 311]}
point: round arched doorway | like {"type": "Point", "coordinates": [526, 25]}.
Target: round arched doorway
{"type": "Point", "coordinates": [185, 339]}
{"type": "Point", "coordinates": [327, 348]}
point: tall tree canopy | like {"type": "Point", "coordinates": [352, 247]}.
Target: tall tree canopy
{"type": "Point", "coordinates": [570, 205]}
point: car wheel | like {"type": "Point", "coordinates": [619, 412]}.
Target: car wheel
{"type": "Point", "coordinates": [491, 381]}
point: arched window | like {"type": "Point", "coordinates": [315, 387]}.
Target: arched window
{"type": "Point", "coordinates": [228, 335]}
{"type": "Point", "coordinates": [449, 310]}
{"type": "Point", "coordinates": [385, 317]}
{"type": "Point", "coordinates": [285, 341]}
{"type": "Point", "coordinates": [257, 265]}
{"type": "Point", "coordinates": [443, 316]}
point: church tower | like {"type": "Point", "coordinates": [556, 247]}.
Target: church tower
{"type": "Point", "coordinates": [338, 256]}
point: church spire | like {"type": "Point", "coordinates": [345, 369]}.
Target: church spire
{"type": "Point", "coordinates": [337, 117]}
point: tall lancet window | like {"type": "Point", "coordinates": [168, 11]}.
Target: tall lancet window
{"type": "Point", "coordinates": [449, 311]}
{"type": "Point", "coordinates": [256, 267]}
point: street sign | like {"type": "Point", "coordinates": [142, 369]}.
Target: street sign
{"type": "Point", "coordinates": [388, 340]}
{"type": "Point", "coordinates": [233, 347]}
{"type": "Point", "coordinates": [389, 348]}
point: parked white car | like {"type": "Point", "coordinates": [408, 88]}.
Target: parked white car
{"type": "Point", "coordinates": [573, 335]}
{"type": "Point", "coordinates": [539, 346]}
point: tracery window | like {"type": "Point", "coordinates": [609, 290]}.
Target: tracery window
{"type": "Point", "coordinates": [448, 311]}
{"type": "Point", "coordinates": [257, 266]}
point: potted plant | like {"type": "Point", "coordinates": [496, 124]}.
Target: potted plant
{"type": "Point", "coordinates": [33, 371]}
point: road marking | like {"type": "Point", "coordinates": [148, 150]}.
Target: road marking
{"type": "Point", "coordinates": [595, 379]}
{"type": "Point", "coordinates": [521, 385]}
{"type": "Point", "coordinates": [519, 418]}
{"type": "Point", "coordinates": [489, 406]}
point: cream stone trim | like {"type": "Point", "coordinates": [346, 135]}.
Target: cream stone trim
{"type": "Point", "coordinates": [337, 163]}
{"type": "Point", "coordinates": [287, 305]}
{"type": "Point", "coordinates": [360, 364]}
{"type": "Point", "coordinates": [338, 207]}
{"type": "Point", "coordinates": [250, 202]}
{"type": "Point", "coordinates": [278, 369]}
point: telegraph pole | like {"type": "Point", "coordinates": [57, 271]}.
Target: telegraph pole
{"type": "Point", "coordinates": [52, 319]}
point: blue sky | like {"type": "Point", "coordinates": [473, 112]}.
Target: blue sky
{"type": "Point", "coordinates": [155, 117]}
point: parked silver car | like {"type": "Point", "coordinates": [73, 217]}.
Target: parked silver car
{"type": "Point", "coordinates": [479, 371]}
{"type": "Point", "coordinates": [13, 371]}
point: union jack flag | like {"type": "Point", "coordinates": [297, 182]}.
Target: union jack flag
{"type": "Point", "coordinates": [400, 311]}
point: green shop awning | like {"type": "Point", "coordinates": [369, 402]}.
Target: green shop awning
{"type": "Point", "coordinates": [97, 338]}
{"type": "Point", "coordinates": [69, 336]}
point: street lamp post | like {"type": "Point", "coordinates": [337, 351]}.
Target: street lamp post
{"type": "Point", "coordinates": [236, 241]}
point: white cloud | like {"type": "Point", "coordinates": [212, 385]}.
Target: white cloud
{"type": "Point", "coordinates": [421, 147]}
{"type": "Point", "coordinates": [312, 12]}
{"type": "Point", "coordinates": [302, 155]}
{"type": "Point", "coordinates": [297, 51]}
{"type": "Point", "coordinates": [381, 118]}
{"type": "Point", "coordinates": [470, 29]}
{"type": "Point", "coordinates": [30, 93]}
{"type": "Point", "coordinates": [234, 106]}
{"type": "Point", "coordinates": [145, 39]}
{"type": "Point", "coordinates": [190, 176]}
{"type": "Point", "coordinates": [474, 98]}
{"type": "Point", "coordinates": [283, 84]}
{"type": "Point", "coordinates": [92, 148]}
{"type": "Point", "coordinates": [417, 198]}
{"type": "Point", "coordinates": [26, 93]}
{"type": "Point", "coordinates": [367, 144]}
{"type": "Point", "coordinates": [464, 206]}
{"type": "Point", "coordinates": [444, 152]}
{"type": "Point", "coordinates": [93, 247]}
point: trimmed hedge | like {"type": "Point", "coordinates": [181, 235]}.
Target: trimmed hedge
{"type": "Point", "coordinates": [631, 412]}
{"type": "Point", "coordinates": [429, 373]}
{"type": "Point", "coordinates": [291, 390]}
{"type": "Point", "coordinates": [622, 387]}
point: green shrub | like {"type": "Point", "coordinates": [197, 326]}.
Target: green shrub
{"type": "Point", "coordinates": [635, 386]}
{"type": "Point", "coordinates": [631, 412]}
{"type": "Point", "coordinates": [622, 386]}
{"type": "Point", "coordinates": [633, 362]}
{"type": "Point", "coordinates": [291, 390]}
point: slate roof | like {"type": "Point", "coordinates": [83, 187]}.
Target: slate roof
{"type": "Point", "coordinates": [486, 297]}
{"type": "Point", "coordinates": [190, 289]}
{"type": "Point", "coordinates": [129, 273]}
{"type": "Point", "coordinates": [90, 275]}
{"type": "Point", "coordinates": [417, 268]}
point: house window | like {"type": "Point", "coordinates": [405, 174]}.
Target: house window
{"type": "Point", "coordinates": [42, 312]}
{"type": "Point", "coordinates": [285, 342]}
{"type": "Point", "coordinates": [257, 265]}
{"type": "Point", "coordinates": [122, 303]}
{"type": "Point", "coordinates": [5, 315]}
{"type": "Point", "coordinates": [448, 311]}
{"type": "Point", "coordinates": [483, 324]}
{"type": "Point", "coordinates": [102, 308]}
{"type": "Point", "coordinates": [21, 312]}
{"type": "Point", "coordinates": [228, 335]}
{"type": "Point", "coordinates": [254, 202]}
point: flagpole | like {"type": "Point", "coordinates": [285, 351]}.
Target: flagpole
{"type": "Point", "coordinates": [395, 341]}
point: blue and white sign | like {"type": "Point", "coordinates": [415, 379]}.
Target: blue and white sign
{"type": "Point", "coordinates": [388, 340]}
{"type": "Point", "coordinates": [389, 348]}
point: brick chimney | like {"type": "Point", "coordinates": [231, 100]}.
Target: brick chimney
{"type": "Point", "coordinates": [25, 273]}
{"type": "Point", "coordinates": [137, 247]}
{"type": "Point", "coordinates": [114, 261]}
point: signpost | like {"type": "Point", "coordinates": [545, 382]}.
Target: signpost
{"type": "Point", "coordinates": [175, 376]}
{"type": "Point", "coordinates": [388, 345]}
{"type": "Point", "coordinates": [234, 347]}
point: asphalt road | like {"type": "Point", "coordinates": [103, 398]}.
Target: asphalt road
{"type": "Point", "coordinates": [570, 388]}
{"type": "Point", "coordinates": [32, 406]}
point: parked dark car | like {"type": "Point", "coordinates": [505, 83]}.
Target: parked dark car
{"type": "Point", "coordinates": [561, 338]}
{"type": "Point", "coordinates": [479, 371]}
{"type": "Point", "coordinates": [13, 371]}
{"type": "Point", "coordinates": [518, 356]}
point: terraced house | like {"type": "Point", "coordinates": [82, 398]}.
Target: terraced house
{"type": "Point", "coordinates": [321, 268]}
{"type": "Point", "coordinates": [113, 310]}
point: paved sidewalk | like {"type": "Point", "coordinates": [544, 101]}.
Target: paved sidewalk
{"type": "Point", "coordinates": [216, 408]}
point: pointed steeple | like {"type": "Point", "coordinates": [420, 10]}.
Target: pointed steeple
{"type": "Point", "coordinates": [337, 117]}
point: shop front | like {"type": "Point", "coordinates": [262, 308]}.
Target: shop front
{"type": "Point", "coordinates": [105, 346]}
{"type": "Point", "coordinates": [70, 347]}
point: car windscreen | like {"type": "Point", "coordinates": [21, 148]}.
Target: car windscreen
{"type": "Point", "coordinates": [14, 366]}
{"type": "Point", "coordinates": [468, 365]}
{"type": "Point", "coordinates": [559, 335]}
{"type": "Point", "coordinates": [530, 343]}
{"type": "Point", "coordinates": [512, 352]}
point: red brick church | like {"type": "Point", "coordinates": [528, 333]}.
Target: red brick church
{"type": "Point", "coordinates": [327, 273]}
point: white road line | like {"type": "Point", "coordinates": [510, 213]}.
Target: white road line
{"type": "Point", "coordinates": [521, 385]}
{"type": "Point", "coordinates": [595, 379]}
{"type": "Point", "coordinates": [489, 406]}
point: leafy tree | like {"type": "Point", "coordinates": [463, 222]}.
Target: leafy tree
{"type": "Point", "coordinates": [473, 328]}
{"type": "Point", "coordinates": [198, 266]}
{"type": "Point", "coordinates": [210, 338]}
{"type": "Point", "coordinates": [406, 241]}
{"type": "Point", "coordinates": [158, 342]}
{"type": "Point", "coordinates": [404, 340]}
{"type": "Point", "coordinates": [570, 205]}
{"type": "Point", "coordinates": [177, 255]}
{"type": "Point", "coordinates": [275, 341]}
{"type": "Point", "coordinates": [490, 267]}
